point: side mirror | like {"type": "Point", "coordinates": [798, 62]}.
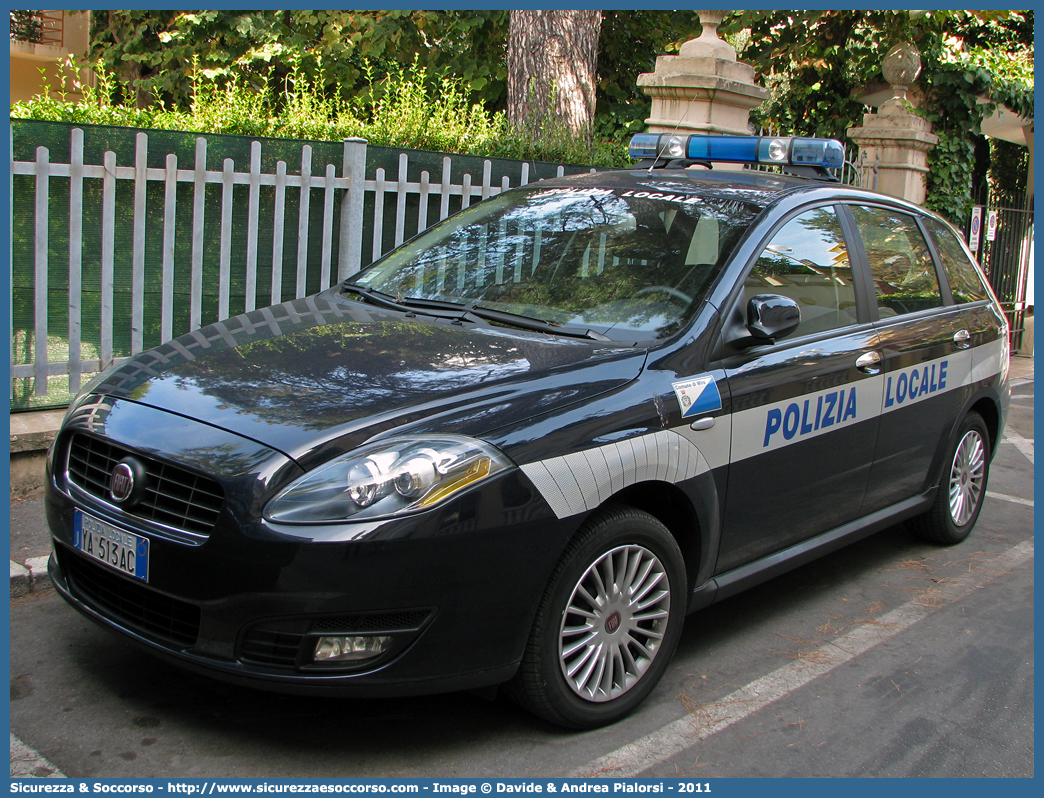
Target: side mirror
{"type": "Point", "coordinates": [771, 316]}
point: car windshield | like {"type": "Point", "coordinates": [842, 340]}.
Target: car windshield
{"type": "Point", "coordinates": [634, 262]}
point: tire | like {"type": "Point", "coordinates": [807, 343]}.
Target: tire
{"type": "Point", "coordinates": [962, 486]}
{"type": "Point", "coordinates": [596, 649]}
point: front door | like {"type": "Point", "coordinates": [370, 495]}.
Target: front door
{"type": "Point", "coordinates": [804, 410]}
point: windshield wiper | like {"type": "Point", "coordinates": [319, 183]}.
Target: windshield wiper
{"type": "Point", "coordinates": [388, 301]}
{"type": "Point", "coordinates": [529, 323]}
{"type": "Point", "coordinates": [504, 317]}
{"type": "Point", "coordinates": [470, 312]}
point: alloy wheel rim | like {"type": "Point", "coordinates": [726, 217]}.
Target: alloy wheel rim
{"type": "Point", "coordinates": [966, 477]}
{"type": "Point", "coordinates": [613, 625]}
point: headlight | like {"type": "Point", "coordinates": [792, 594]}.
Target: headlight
{"type": "Point", "coordinates": [389, 477]}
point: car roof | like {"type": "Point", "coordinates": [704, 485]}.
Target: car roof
{"type": "Point", "coordinates": [747, 185]}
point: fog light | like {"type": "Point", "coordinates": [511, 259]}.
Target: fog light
{"type": "Point", "coordinates": [350, 649]}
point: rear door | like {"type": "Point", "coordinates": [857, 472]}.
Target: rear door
{"type": "Point", "coordinates": [925, 350]}
{"type": "Point", "coordinates": [981, 316]}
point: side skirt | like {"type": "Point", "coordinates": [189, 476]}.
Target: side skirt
{"type": "Point", "coordinates": [754, 573]}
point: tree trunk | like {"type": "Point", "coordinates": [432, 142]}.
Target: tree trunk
{"type": "Point", "coordinates": [552, 58]}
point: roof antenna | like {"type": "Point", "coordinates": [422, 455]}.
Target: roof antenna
{"type": "Point", "coordinates": [659, 155]}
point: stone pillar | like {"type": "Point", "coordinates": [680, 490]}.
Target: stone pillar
{"type": "Point", "coordinates": [703, 89]}
{"type": "Point", "coordinates": [899, 142]}
{"type": "Point", "coordinates": [895, 138]}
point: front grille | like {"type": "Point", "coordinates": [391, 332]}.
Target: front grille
{"type": "Point", "coordinates": [174, 497]}
{"type": "Point", "coordinates": [276, 643]}
{"type": "Point", "coordinates": [131, 604]}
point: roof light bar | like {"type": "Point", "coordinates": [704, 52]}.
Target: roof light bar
{"type": "Point", "coordinates": [826, 153]}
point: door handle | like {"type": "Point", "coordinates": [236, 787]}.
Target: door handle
{"type": "Point", "coordinates": [962, 338]}
{"type": "Point", "coordinates": [869, 363]}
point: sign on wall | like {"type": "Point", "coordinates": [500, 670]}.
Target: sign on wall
{"type": "Point", "coordinates": [976, 228]}
{"type": "Point", "coordinates": [991, 226]}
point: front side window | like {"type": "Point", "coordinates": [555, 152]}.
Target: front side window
{"type": "Point", "coordinates": [807, 260]}
{"type": "Point", "coordinates": [900, 261]}
{"type": "Point", "coordinates": [633, 262]}
{"type": "Point", "coordinates": [965, 283]}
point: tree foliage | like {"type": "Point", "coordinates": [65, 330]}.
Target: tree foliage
{"type": "Point", "coordinates": [26, 26]}
{"type": "Point", "coordinates": [817, 63]}
{"type": "Point", "coordinates": [156, 55]}
{"type": "Point", "coordinates": [629, 45]}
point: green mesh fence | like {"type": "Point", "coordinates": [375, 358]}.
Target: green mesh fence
{"type": "Point", "coordinates": [56, 137]}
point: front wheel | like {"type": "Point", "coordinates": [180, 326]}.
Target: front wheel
{"type": "Point", "coordinates": [962, 487]}
{"type": "Point", "coordinates": [608, 622]}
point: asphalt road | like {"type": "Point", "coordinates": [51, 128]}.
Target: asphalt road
{"type": "Point", "coordinates": [889, 658]}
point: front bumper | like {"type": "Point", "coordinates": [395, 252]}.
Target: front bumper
{"type": "Point", "coordinates": [455, 587]}
{"type": "Point", "coordinates": [365, 684]}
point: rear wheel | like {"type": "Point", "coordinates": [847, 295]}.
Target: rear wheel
{"type": "Point", "coordinates": [608, 623]}
{"type": "Point", "coordinates": [962, 486]}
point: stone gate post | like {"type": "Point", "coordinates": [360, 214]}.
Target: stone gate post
{"type": "Point", "coordinates": [895, 137]}
{"type": "Point", "coordinates": [703, 89]}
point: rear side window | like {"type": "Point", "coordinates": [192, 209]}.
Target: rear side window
{"type": "Point", "coordinates": [900, 261]}
{"type": "Point", "coordinates": [807, 260]}
{"type": "Point", "coordinates": [965, 283]}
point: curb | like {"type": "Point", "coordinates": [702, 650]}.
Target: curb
{"type": "Point", "coordinates": [30, 577]}
{"type": "Point", "coordinates": [27, 763]}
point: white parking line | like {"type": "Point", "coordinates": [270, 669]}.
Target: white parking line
{"type": "Point", "coordinates": [658, 747]}
{"type": "Point", "coordinates": [1004, 497]}
{"type": "Point", "coordinates": [1024, 445]}
{"type": "Point", "coordinates": [27, 763]}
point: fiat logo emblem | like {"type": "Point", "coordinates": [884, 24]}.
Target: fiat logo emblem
{"type": "Point", "coordinates": [612, 623]}
{"type": "Point", "coordinates": [121, 485]}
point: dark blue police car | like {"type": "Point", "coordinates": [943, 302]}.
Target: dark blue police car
{"type": "Point", "coordinates": [520, 448]}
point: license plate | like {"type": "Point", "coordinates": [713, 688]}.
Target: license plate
{"type": "Point", "coordinates": [124, 551]}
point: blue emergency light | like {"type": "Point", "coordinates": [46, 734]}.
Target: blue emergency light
{"type": "Point", "coordinates": [825, 153]}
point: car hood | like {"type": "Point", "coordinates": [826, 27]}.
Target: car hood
{"type": "Point", "coordinates": [315, 377]}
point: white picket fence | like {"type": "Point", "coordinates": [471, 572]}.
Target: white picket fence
{"type": "Point", "coordinates": [350, 182]}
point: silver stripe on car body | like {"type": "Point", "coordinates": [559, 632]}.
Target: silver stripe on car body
{"type": "Point", "coordinates": [579, 482]}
